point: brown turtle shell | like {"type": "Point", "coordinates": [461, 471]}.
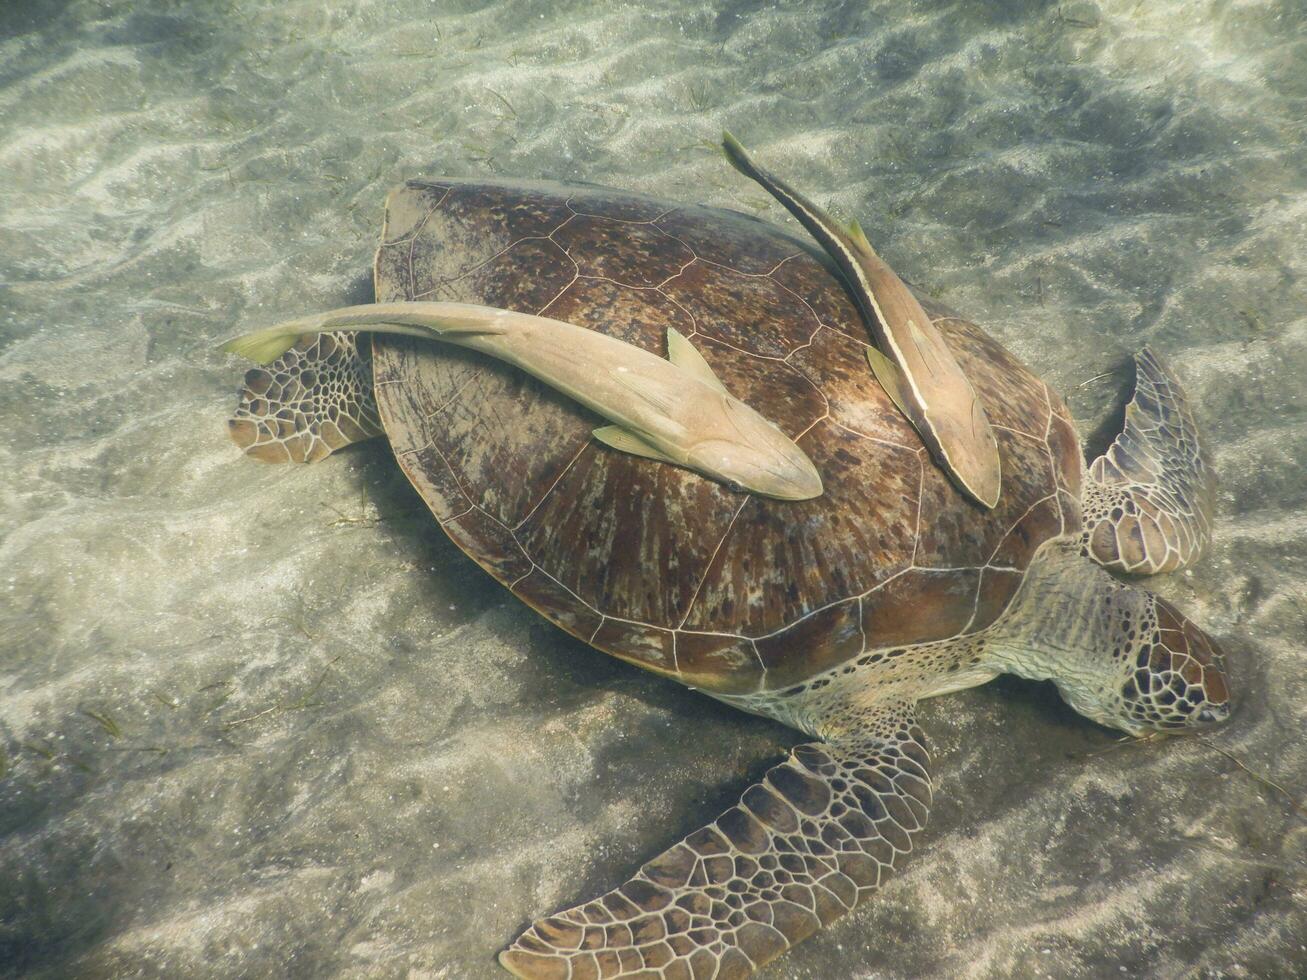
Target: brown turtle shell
{"type": "Point", "coordinates": [652, 563]}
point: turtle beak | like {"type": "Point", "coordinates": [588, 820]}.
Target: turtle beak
{"type": "Point", "coordinates": [1213, 715]}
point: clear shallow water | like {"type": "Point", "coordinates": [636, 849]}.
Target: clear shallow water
{"type": "Point", "coordinates": [263, 721]}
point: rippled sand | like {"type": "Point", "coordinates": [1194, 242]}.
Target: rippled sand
{"type": "Point", "coordinates": [260, 721]}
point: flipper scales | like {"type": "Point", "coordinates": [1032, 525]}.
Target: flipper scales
{"type": "Point", "coordinates": [1148, 499]}
{"type": "Point", "coordinates": [311, 401]}
{"type": "Point", "coordinates": [802, 847]}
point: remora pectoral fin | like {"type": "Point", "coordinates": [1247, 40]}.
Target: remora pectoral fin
{"type": "Point", "coordinates": [888, 376]}
{"type": "Point", "coordinates": [686, 356]}
{"type": "Point", "coordinates": [628, 442]}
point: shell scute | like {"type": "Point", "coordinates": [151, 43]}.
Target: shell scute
{"type": "Point", "coordinates": [739, 243]}
{"type": "Point", "coordinates": [501, 480]}
{"type": "Point", "coordinates": [1042, 521]}
{"type": "Point", "coordinates": [806, 275]}
{"type": "Point", "coordinates": [633, 253]}
{"type": "Point", "coordinates": [837, 366]}
{"type": "Point", "coordinates": [646, 317]}
{"type": "Point", "coordinates": [750, 313]}
{"type": "Point", "coordinates": [831, 636]}
{"type": "Point", "coordinates": [542, 592]}
{"type": "Point", "coordinates": [622, 538]}
{"type": "Point", "coordinates": [797, 558]}
{"type": "Point", "coordinates": [1064, 445]}
{"type": "Point", "coordinates": [479, 219]}
{"type": "Point", "coordinates": [702, 659]}
{"type": "Point", "coordinates": [649, 646]}
{"type": "Point", "coordinates": [1013, 398]}
{"type": "Point", "coordinates": [539, 270]}
{"type": "Point", "coordinates": [942, 600]}
{"type": "Point", "coordinates": [505, 560]}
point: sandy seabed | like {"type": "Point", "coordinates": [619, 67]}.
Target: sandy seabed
{"type": "Point", "coordinates": [261, 721]}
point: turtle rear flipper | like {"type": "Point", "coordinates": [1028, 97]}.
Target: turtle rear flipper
{"type": "Point", "coordinates": [1148, 499]}
{"type": "Point", "coordinates": [309, 402]}
{"type": "Point", "coordinates": [801, 848]}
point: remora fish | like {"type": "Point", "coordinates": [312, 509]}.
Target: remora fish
{"type": "Point", "coordinates": [914, 364]}
{"type": "Point", "coordinates": [673, 410]}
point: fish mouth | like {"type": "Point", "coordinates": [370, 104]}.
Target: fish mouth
{"type": "Point", "coordinates": [781, 473]}
{"type": "Point", "coordinates": [796, 478]}
{"type": "Point", "coordinates": [807, 484]}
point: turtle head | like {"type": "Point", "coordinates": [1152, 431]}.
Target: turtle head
{"type": "Point", "coordinates": [1119, 655]}
{"type": "Point", "coordinates": [1160, 672]}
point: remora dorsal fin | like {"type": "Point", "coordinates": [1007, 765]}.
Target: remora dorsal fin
{"type": "Point", "coordinates": [628, 442]}
{"type": "Point", "coordinates": [888, 376]}
{"type": "Point", "coordinates": [686, 356]}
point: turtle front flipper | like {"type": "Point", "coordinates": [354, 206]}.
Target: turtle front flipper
{"type": "Point", "coordinates": [801, 848]}
{"type": "Point", "coordinates": [1148, 499]}
{"type": "Point", "coordinates": [309, 402]}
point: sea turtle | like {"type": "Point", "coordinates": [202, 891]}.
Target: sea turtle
{"type": "Point", "coordinates": [834, 615]}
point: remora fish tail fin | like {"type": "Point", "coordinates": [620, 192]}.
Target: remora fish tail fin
{"type": "Point", "coordinates": [264, 346]}
{"type": "Point", "coordinates": [686, 356]}
{"type": "Point", "coordinates": [628, 442]}
{"type": "Point", "coordinates": [736, 155]}
{"type": "Point", "coordinates": [420, 320]}
{"type": "Point", "coordinates": [888, 376]}
{"type": "Point", "coordinates": [859, 238]}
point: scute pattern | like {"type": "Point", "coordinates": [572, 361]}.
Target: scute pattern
{"type": "Point", "coordinates": [314, 399]}
{"type": "Point", "coordinates": [657, 565]}
{"type": "Point", "coordinates": [818, 834]}
{"type": "Point", "coordinates": [1178, 670]}
{"type": "Point", "coordinates": [1148, 505]}
{"type": "Point", "coordinates": [835, 555]}
{"type": "Point", "coordinates": [621, 508]}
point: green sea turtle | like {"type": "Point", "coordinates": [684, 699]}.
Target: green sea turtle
{"type": "Point", "coordinates": [834, 615]}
